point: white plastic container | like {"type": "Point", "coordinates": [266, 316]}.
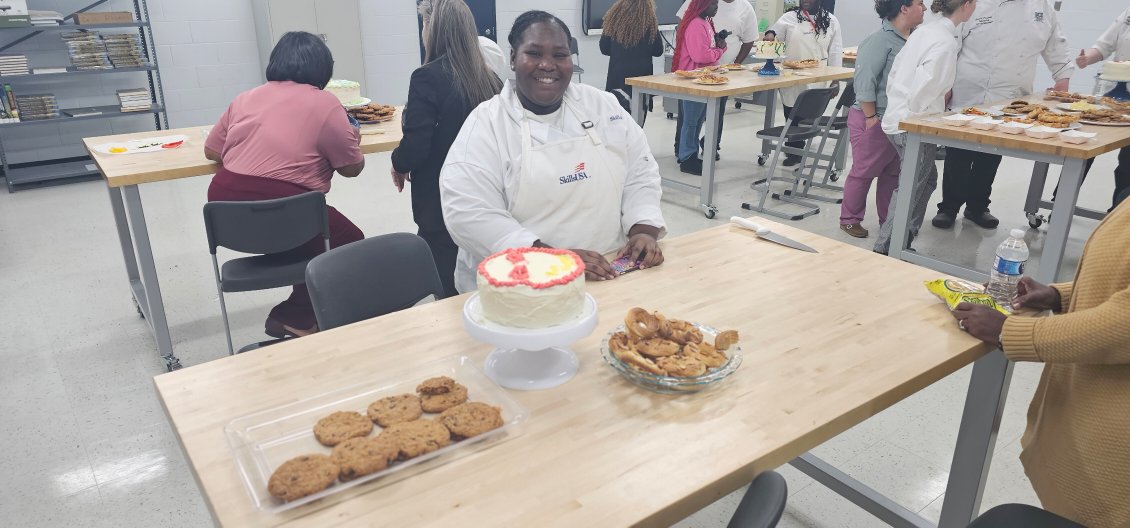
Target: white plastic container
{"type": "Point", "coordinates": [1076, 137]}
{"type": "Point", "coordinates": [958, 120]}
{"type": "Point", "coordinates": [1042, 132]}
{"type": "Point", "coordinates": [1012, 127]}
{"type": "Point", "coordinates": [984, 123]}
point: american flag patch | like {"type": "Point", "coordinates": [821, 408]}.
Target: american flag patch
{"type": "Point", "coordinates": [580, 167]}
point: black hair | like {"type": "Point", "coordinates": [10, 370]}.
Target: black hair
{"type": "Point", "coordinates": [303, 58]}
{"type": "Point", "coordinates": [889, 9]}
{"type": "Point", "coordinates": [823, 19]}
{"type": "Point", "coordinates": [529, 18]}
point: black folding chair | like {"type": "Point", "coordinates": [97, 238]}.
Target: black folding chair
{"type": "Point", "coordinates": [1021, 516]}
{"type": "Point", "coordinates": [763, 502]}
{"type": "Point", "coordinates": [810, 105]}
{"type": "Point", "coordinates": [269, 229]}
{"type": "Point", "coordinates": [370, 278]}
{"type": "Point", "coordinates": [833, 127]}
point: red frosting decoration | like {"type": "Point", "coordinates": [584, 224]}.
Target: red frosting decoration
{"type": "Point", "coordinates": [521, 274]}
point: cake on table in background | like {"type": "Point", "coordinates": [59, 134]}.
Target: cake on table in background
{"type": "Point", "coordinates": [348, 92]}
{"type": "Point", "coordinates": [1118, 71]}
{"type": "Point", "coordinates": [531, 287]}
{"type": "Point", "coordinates": [768, 49]}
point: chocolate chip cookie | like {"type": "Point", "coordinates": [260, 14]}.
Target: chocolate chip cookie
{"type": "Point", "coordinates": [471, 419]}
{"type": "Point", "coordinates": [418, 437]}
{"type": "Point", "coordinates": [341, 426]}
{"type": "Point", "coordinates": [436, 385]}
{"type": "Point", "coordinates": [395, 409]}
{"type": "Point", "coordinates": [435, 403]}
{"type": "Point", "coordinates": [302, 476]}
{"type": "Point", "coordinates": [358, 457]}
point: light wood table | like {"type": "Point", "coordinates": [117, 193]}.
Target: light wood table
{"type": "Point", "coordinates": [125, 172]}
{"type": "Point", "coordinates": [1073, 158]}
{"type": "Point", "coordinates": [742, 82]}
{"type": "Point", "coordinates": [821, 354]}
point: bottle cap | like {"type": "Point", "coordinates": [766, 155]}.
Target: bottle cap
{"type": "Point", "coordinates": [1017, 233]}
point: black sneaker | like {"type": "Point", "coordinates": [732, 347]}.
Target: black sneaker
{"type": "Point", "coordinates": [944, 220]}
{"type": "Point", "coordinates": [702, 148]}
{"type": "Point", "coordinates": [791, 160]}
{"type": "Point", "coordinates": [983, 219]}
{"type": "Point", "coordinates": [691, 166]}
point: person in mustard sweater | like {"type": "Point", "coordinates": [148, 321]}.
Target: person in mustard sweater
{"type": "Point", "coordinates": [1077, 443]}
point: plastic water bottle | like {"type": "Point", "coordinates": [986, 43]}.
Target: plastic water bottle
{"type": "Point", "coordinates": [1008, 267]}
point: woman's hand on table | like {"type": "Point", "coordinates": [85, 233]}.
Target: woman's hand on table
{"type": "Point", "coordinates": [1032, 295]}
{"type": "Point", "coordinates": [398, 179]}
{"type": "Point", "coordinates": [645, 245]}
{"type": "Point", "coordinates": [596, 266]}
{"type": "Point", "coordinates": [980, 321]}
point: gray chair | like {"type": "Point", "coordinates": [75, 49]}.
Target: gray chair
{"type": "Point", "coordinates": [810, 105]}
{"type": "Point", "coordinates": [833, 127]}
{"type": "Point", "coordinates": [577, 69]}
{"type": "Point", "coordinates": [270, 229]}
{"type": "Point", "coordinates": [1021, 516]}
{"type": "Point", "coordinates": [370, 278]}
{"type": "Point", "coordinates": [763, 502]}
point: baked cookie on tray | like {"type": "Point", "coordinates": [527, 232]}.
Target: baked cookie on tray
{"type": "Point", "coordinates": [436, 385]}
{"type": "Point", "coordinates": [302, 476]}
{"type": "Point", "coordinates": [471, 419]}
{"type": "Point", "coordinates": [417, 437]}
{"type": "Point", "coordinates": [395, 409]}
{"type": "Point", "coordinates": [341, 426]}
{"type": "Point", "coordinates": [358, 457]}
{"type": "Point", "coordinates": [434, 403]}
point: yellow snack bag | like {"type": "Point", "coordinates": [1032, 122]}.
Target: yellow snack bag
{"type": "Point", "coordinates": [957, 291]}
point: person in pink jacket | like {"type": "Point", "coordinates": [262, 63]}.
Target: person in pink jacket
{"type": "Point", "coordinates": [696, 45]}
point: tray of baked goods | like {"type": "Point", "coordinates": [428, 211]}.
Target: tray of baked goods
{"type": "Point", "coordinates": [376, 432]}
{"type": "Point", "coordinates": [373, 113]}
{"type": "Point", "coordinates": [801, 64]}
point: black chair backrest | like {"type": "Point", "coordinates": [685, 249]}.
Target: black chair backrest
{"type": "Point", "coordinates": [370, 278]}
{"type": "Point", "coordinates": [763, 502]}
{"type": "Point", "coordinates": [811, 104]}
{"type": "Point", "coordinates": [266, 226]}
{"type": "Point", "coordinates": [847, 97]}
{"type": "Point", "coordinates": [573, 46]}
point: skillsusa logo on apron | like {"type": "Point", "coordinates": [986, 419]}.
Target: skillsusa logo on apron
{"type": "Point", "coordinates": [578, 175]}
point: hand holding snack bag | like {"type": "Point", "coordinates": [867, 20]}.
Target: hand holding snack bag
{"type": "Point", "coordinates": [957, 291]}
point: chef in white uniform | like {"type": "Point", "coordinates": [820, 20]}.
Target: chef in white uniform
{"type": "Point", "coordinates": [809, 32]}
{"type": "Point", "coordinates": [1113, 44]}
{"type": "Point", "coordinates": [549, 163]}
{"type": "Point", "coordinates": [997, 63]}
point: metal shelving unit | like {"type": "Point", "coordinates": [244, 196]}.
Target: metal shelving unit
{"type": "Point", "coordinates": [69, 166]}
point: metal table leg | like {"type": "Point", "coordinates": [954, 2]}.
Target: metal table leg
{"type": "Point", "coordinates": [905, 195]}
{"type": "Point", "coordinates": [1056, 242]}
{"type": "Point", "coordinates": [980, 422]}
{"type": "Point", "coordinates": [1035, 192]}
{"type": "Point", "coordinates": [770, 119]}
{"type": "Point", "coordinates": [141, 269]}
{"type": "Point", "coordinates": [638, 106]}
{"type": "Point", "coordinates": [706, 191]}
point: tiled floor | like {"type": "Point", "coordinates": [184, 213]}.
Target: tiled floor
{"type": "Point", "coordinates": [86, 444]}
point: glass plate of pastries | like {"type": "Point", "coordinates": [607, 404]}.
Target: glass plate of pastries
{"type": "Point", "coordinates": [670, 356]}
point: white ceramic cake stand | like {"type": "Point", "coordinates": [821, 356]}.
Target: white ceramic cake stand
{"type": "Point", "coordinates": [529, 358]}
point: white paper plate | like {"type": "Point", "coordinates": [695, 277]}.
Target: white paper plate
{"type": "Point", "coordinates": [143, 145]}
{"type": "Point", "coordinates": [364, 101]}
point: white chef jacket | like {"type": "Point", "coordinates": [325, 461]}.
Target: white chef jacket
{"type": "Point", "coordinates": [737, 17]}
{"type": "Point", "coordinates": [478, 180]}
{"type": "Point", "coordinates": [999, 45]}
{"type": "Point", "coordinates": [1115, 41]}
{"type": "Point", "coordinates": [802, 43]}
{"type": "Point", "coordinates": [922, 73]}
{"type": "Point", "coordinates": [494, 57]}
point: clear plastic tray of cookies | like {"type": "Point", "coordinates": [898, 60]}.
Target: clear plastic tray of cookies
{"type": "Point", "coordinates": [285, 463]}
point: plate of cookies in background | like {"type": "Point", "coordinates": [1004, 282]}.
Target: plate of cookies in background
{"type": "Point", "coordinates": [300, 452]}
{"type": "Point", "coordinates": [670, 356]}
{"type": "Point", "coordinates": [373, 113]}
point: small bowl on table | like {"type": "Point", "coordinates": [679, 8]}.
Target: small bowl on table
{"type": "Point", "coordinates": [1076, 137]}
{"type": "Point", "coordinates": [675, 384]}
{"type": "Point", "coordinates": [958, 120]}
{"type": "Point", "coordinates": [984, 123]}
{"type": "Point", "coordinates": [1042, 132]}
{"type": "Point", "coordinates": [1012, 127]}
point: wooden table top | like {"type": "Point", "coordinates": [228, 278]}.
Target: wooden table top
{"type": "Point", "coordinates": [1109, 137]}
{"type": "Point", "coordinates": [741, 81]}
{"type": "Point", "coordinates": [121, 170]}
{"type": "Point", "coordinates": [828, 339]}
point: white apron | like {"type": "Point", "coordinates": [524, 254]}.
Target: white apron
{"type": "Point", "coordinates": [803, 43]}
{"type": "Point", "coordinates": [569, 192]}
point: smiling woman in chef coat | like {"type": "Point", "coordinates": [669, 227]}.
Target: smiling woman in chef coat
{"type": "Point", "coordinates": [549, 163]}
{"type": "Point", "coordinates": [809, 32]}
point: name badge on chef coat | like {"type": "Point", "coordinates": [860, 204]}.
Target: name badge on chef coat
{"type": "Point", "coordinates": [1127, 21]}
{"type": "Point", "coordinates": [1039, 16]}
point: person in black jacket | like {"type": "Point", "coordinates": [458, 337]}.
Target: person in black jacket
{"type": "Point", "coordinates": [453, 81]}
{"type": "Point", "coordinates": [630, 38]}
